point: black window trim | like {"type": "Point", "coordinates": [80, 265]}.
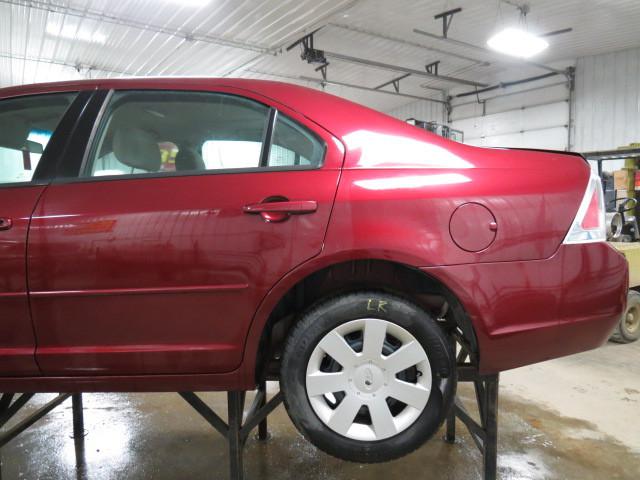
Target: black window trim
{"type": "Point", "coordinates": [75, 139]}
{"type": "Point", "coordinates": [264, 155]}
{"type": "Point", "coordinates": [268, 138]}
{"type": "Point", "coordinates": [97, 122]}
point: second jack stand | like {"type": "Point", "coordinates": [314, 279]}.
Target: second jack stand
{"type": "Point", "coordinates": [10, 406]}
{"type": "Point", "coordinates": [484, 433]}
{"type": "Point", "coordinates": [235, 431]}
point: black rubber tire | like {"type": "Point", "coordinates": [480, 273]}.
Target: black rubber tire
{"type": "Point", "coordinates": [622, 333]}
{"type": "Point", "coordinates": [324, 317]}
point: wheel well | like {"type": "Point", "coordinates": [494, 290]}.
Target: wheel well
{"type": "Point", "coordinates": [390, 277]}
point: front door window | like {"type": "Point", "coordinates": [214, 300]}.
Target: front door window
{"type": "Point", "coordinates": [26, 125]}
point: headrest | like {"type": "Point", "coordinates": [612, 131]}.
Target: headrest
{"type": "Point", "coordinates": [14, 134]}
{"type": "Point", "coordinates": [136, 148]}
{"type": "Point", "coordinates": [188, 160]}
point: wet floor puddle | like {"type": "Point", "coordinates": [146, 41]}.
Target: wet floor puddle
{"type": "Point", "coordinates": [158, 437]}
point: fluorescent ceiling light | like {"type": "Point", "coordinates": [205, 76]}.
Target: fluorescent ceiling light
{"type": "Point", "coordinates": [517, 43]}
{"type": "Point", "coordinates": [71, 32]}
{"type": "Point", "coordinates": [191, 3]}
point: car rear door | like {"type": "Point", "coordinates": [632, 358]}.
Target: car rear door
{"type": "Point", "coordinates": [187, 209]}
{"type": "Point", "coordinates": [27, 124]}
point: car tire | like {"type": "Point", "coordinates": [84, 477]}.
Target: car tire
{"type": "Point", "coordinates": [373, 383]}
{"type": "Point", "coordinates": [628, 329]}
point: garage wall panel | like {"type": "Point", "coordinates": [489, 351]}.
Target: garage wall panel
{"type": "Point", "coordinates": [607, 106]}
{"type": "Point", "coordinates": [421, 110]}
{"type": "Point", "coordinates": [512, 99]}
{"type": "Point", "coordinates": [539, 126]}
{"type": "Point", "coordinates": [515, 121]}
{"type": "Point", "coordinates": [548, 138]}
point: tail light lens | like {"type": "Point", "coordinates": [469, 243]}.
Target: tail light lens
{"type": "Point", "coordinates": [589, 224]}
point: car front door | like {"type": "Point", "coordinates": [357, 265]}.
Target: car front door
{"type": "Point", "coordinates": [27, 124]}
{"type": "Point", "coordinates": [189, 206]}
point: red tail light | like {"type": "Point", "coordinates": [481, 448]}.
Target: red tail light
{"type": "Point", "coordinates": [589, 223]}
{"type": "Point", "coordinates": [591, 218]}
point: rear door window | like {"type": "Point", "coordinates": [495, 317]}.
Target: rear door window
{"type": "Point", "coordinates": [164, 132]}
{"type": "Point", "coordinates": [294, 146]}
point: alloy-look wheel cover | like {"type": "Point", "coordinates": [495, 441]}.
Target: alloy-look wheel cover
{"type": "Point", "coordinates": [632, 320]}
{"type": "Point", "coordinates": [368, 378]}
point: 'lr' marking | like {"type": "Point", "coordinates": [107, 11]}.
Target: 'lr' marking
{"type": "Point", "coordinates": [380, 307]}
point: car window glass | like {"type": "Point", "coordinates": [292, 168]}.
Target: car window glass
{"type": "Point", "coordinates": [155, 132]}
{"type": "Point", "coordinates": [294, 145]}
{"type": "Point", "coordinates": [26, 126]}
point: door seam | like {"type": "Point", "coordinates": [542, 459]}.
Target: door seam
{"type": "Point", "coordinates": [27, 276]}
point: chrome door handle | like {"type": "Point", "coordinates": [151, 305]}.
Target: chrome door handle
{"type": "Point", "coordinates": [5, 223]}
{"type": "Point", "coordinates": [279, 211]}
{"type": "Point", "coordinates": [295, 207]}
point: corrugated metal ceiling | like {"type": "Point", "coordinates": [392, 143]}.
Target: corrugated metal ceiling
{"type": "Point", "coordinates": [44, 40]}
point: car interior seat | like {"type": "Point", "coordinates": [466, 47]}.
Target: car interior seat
{"type": "Point", "coordinates": [137, 148]}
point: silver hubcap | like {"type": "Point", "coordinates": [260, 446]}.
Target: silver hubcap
{"type": "Point", "coordinates": [632, 320]}
{"type": "Point", "coordinates": [367, 394]}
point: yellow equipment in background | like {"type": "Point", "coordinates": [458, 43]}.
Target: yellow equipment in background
{"type": "Point", "coordinates": [623, 231]}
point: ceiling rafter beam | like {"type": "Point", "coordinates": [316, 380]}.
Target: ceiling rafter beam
{"type": "Point", "coordinates": [447, 18]}
{"type": "Point", "coordinates": [395, 82]}
{"type": "Point", "coordinates": [130, 23]}
{"type": "Point", "coordinates": [397, 68]}
{"type": "Point", "coordinates": [78, 67]}
{"type": "Point", "coordinates": [320, 81]}
{"type": "Point", "coordinates": [556, 32]}
{"type": "Point", "coordinates": [408, 43]}
{"type": "Point", "coordinates": [432, 67]}
{"type": "Point", "coordinates": [343, 84]}
{"type": "Point", "coordinates": [323, 70]}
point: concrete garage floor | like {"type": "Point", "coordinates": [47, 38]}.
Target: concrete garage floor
{"type": "Point", "coordinates": [572, 418]}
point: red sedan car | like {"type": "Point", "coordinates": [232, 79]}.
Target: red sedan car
{"type": "Point", "coordinates": [201, 234]}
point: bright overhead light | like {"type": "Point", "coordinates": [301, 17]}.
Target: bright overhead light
{"type": "Point", "coordinates": [517, 43]}
{"type": "Point", "coordinates": [191, 3]}
{"type": "Point", "coordinates": [71, 32]}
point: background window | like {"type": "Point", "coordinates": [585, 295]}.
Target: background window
{"type": "Point", "coordinates": [294, 145]}
{"type": "Point", "coordinates": [231, 154]}
{"type": "Point", "coordinates": [150, 132]}
{"type": "Point", "coordinates": [26, 126]}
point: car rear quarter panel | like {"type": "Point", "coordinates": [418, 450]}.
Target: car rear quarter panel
{"type": "Point", "coordinates": [408, 210]}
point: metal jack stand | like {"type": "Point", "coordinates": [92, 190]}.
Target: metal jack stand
{"type": "Point", "coordinates": [485, 433]}
{"type": "Point", "coordinates": [9, 408]}
{"type": "Point", "coordinates": [235, 431]}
